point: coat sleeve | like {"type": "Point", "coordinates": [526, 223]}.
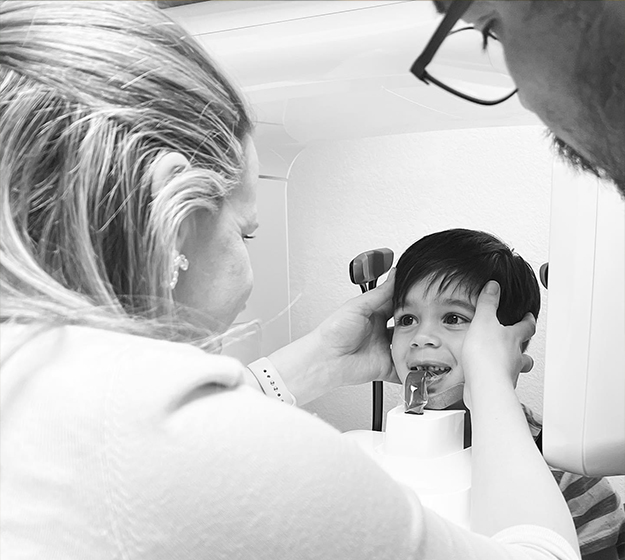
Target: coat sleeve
{"type": "Point", "coordinates": [231, 474]}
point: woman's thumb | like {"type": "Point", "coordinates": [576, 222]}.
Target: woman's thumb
{"type": "Point", "coordinates": [488, 298]}
{"type": "Point", "coordinates": [380, 299]}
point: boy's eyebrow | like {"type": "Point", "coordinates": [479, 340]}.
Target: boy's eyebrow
{"type": "Point", "coordinates": [452, 302]}
{"type": "Point", "coordinates": [459, 303]}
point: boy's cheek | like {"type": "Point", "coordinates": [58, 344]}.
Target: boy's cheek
{"type": "Point", "coordinates": [401, 370]}
{"type": "Point", "coordinates": [402, 376]}
{"type": "Point", "coordinates": [398, 361]}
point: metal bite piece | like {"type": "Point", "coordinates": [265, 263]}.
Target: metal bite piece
{"type": "Point", "coordinates": [416, 391]}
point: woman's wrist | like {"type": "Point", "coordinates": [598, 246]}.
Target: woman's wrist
{"type": "Point", "coordinates": [270, 381]}
{"type": "Point", "coordinates": [501, 402]}
{"type": "Point", "coordinates": [304, 369]}
{"type": "Point", "coordinates": [483, 392]}
{"type": "Point", "coordinates": [251, 380]}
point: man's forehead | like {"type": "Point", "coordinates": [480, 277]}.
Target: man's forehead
{"type": "Point", "coordinates": [475, 11]}
{"type": "Point", "coordinates": [473, 14]}
{"type": "Point", "coordinates": [441, 6]}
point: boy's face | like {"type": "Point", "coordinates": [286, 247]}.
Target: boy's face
{"type": "Point", "coordinates": [429, 333]}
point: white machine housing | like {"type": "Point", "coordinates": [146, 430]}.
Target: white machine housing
{"type": "Point", "coordinates": [584, 400]}
{"type": "Point", "coordinates": [324, 70]}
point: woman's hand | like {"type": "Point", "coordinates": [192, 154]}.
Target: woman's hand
{"type": "Point", "coordinates": [351, 346]}
{"type": "Point", "coordinates": [491, 354]}
{"type": "Point", "coordinates": [357, 338]}
{"type": "Point", "coordinates": [510, 482]}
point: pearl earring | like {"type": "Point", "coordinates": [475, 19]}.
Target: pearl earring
{"type": "Point", "coordinates": [180, 262]}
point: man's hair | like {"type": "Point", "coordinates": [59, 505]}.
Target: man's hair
{"type": "Point", "coordinates": [469, 259]}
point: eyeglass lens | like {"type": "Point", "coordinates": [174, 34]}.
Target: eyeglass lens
{"type": "Point", "coordinates": [462, 63]}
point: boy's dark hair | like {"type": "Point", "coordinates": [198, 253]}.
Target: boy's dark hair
{"type": "Point", "coordinates": [470, 258]}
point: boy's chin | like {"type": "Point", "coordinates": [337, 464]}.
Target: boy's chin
{"type": "Point", "coordinates": [450, 398]}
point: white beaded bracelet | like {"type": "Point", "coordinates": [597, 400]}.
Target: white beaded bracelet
{"type": "Point", "coordinates": [270, 381]}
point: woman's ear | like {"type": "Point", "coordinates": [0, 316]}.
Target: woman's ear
{"type": "Point", "coordinates": [163, 170]}
{"type": "Point", "coordinates": [166, 167]}
{"type": "Point", "coordinates": [186, 235]}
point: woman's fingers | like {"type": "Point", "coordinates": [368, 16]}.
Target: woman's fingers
{"type": "Point", "coordinates": [486, 311]}
{"type": "Point", "coordinates": [527, 363]}
{"type": "Point", "coordinates": [487, 302]}
{"type": "Point", "coordinates": [491, 347]}
{"type": "Point", "coordinates": [526, 328]}
{"type": "Point", "coordinates": [379, 300]}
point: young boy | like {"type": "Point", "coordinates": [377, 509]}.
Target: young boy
{"type": "Point", "coordinates": [437, 283]}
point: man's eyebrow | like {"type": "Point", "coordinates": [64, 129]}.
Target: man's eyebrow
{"type": "Point", "coordinates": [459, 303]}
{"type": "Point", "coordinates": [440, 6]}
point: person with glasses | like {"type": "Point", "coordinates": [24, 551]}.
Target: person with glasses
{"type": "Point", "coordinates": [566, 63]}
{"type": "Point", "coordinates": [127, 178]}
{"type": "Point", "coordinates": [565, 60]}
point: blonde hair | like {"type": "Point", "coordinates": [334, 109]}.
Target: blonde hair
{"type": "Point", "coordinates": [92, 94]}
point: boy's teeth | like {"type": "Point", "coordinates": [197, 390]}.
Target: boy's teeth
{"type": "Point", "coordinates": [433, 369]}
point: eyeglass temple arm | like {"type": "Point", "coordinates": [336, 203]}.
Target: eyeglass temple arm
{"type": "Point", "coordinates": [455, 12]}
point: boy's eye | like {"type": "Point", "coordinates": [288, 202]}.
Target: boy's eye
{"type": "Point", "coordinates": [406, 321]}
{"type": "Point", "coordinates": [453, 319]}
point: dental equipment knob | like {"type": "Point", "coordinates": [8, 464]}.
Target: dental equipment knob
{"type": "Point", "coordinates": [364, 270]}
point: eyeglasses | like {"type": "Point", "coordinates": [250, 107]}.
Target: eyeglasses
{"type": "Point", "coordinates": [444, 36]}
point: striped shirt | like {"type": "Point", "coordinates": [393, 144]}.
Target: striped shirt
{"type": "Point", "coordinates": [596, 508]}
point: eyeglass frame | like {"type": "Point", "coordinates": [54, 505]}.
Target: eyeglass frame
{"type": "Point", "coordinates": [418, 69]}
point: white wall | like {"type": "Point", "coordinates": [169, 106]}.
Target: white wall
{"type": "Point", "coordinates": [269, 301]}
{"type": "Point", "coordinates": [348, 197]}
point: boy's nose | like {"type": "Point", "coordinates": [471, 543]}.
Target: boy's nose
{"type": "Point", "coordinates": [425, 338]}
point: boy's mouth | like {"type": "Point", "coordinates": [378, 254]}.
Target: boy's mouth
{"type": "Point", "coordinates": [434, 370]}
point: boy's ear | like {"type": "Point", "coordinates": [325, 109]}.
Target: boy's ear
{"type": "Point", "coordinates": [166, 167]}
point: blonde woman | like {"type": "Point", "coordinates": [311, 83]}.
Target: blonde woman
{"type": "Point", "coordinates": [127, 191]}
